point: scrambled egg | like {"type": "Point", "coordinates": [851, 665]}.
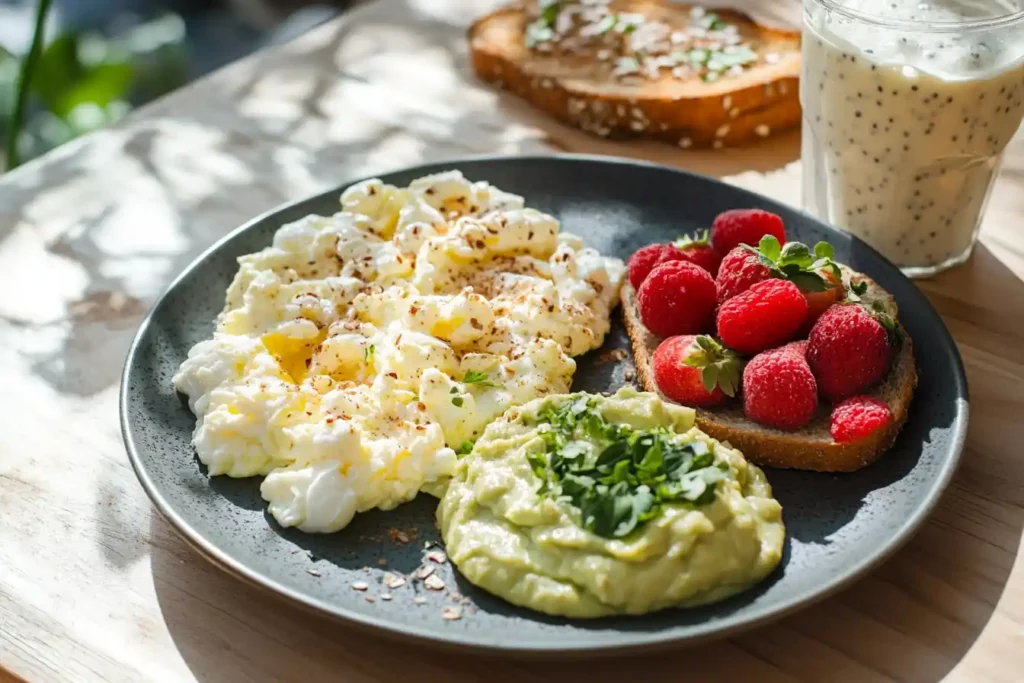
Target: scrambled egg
{"type": "Point", "coordinates": [359, 351]}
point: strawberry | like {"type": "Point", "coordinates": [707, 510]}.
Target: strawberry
{"type": "Point", "coordinates": [766, 315]}
{"type": "Point", "coordinates": [643, 261]}
{"type": "Point", "coordinates": [745, 226]}
{"type": "Point", "coordinates": [849, 349]}
{"type": "Point", "coordinates": [858, 418]}
{"type": "Point", "coordinates": [677, 298]}
{"type": "Point", "coordinates": [820, 301]}
{"type": "Point", "coordinates": [738, 271]}
{"type": "Point", "coordinates": [696, 370]}
{"type": "Point", "coordinates": [698, 250]}
{"type": "Point", "coordinates": [779, 389]}
{"type": "Point", "coordinates": [812, 272]}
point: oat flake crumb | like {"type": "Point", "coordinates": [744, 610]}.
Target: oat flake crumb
{"type": "Point", "coordinates": [393, 581]}
{"type": "Point", "coordinates": [437, 556]}
{"type": "Point", "coordinates": [313, 572]}
{"type": "Point", "coordinates": [419, 600]}
{"type": "Point", "coordinates": [385, 596]}
{"type": "Point", "coordinates": [434, 582]}
{"type": "Point", "coordinates": [451, 613]}
{"type": "Point", "coordinates": [424, 572]}
{"type": "Point", "coordinates": [360, 586]}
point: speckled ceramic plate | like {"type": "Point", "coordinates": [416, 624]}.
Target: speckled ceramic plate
{"type": "Point", "coordinates": [839, 525]}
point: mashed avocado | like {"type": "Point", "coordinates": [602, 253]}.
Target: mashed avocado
{"type": "Point", "coordinates": [586, 506]}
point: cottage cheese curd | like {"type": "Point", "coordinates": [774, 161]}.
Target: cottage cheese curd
{"type": "Point", "coordinates": [358, 351]}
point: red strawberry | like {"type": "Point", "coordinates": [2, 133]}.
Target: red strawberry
{"type": "Point", "coordinates": [814, 272]}
{"type": "Point", "coordinates": [820, 301]}
{"type": "Point", "coordinates": [859, 417]}
{"type": "Point", "coordinates": [799, 348]}
{"type": "Point", "coordinates": [766, 315]}
{"type": "Point", "coordinates": [697, 250]}
{"type": "Point", "coordinates": [677, 298]}
{"type": "Point", "coordinates": [745, 226]}
{"type": "Point", "coordinates": [848, 350]}
{"type": "Point", "coordinates": [740, 269]}
{"type": "Point", "coordinates": [779, 389]}
{"type": "Point", "coordinates": [643, 261]}
{"type": "Point", "coordinates": [695, 370]}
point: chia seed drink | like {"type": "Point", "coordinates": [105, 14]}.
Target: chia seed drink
{"type": "Point", "coordinates": [907, 108]}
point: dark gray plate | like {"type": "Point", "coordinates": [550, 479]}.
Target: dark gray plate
{"type": "Point", "coordinates": [839, 526]}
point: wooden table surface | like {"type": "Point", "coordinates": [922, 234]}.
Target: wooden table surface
{"type": "Point", "coordinates": [94, 586]}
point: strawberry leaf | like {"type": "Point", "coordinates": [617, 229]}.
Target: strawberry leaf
{"type": "Point", "coordinates": [824, 250]}
{"type": "Point", "coordinates": [770, 248]}
{"type": "Point", "coordinates": [710, 377]}
{"type": "Point", "coordinates": [795, 254]}
{"type": "Point", "coordinates": [806, 281]}
{"type": "Point", "coordinates": [697, 239]}
{"type": "Point", "coordinates": [892, 328]}
{"type": "Point", "coordinates": [719, 366]}
{"type": "Point", "coordinates": [854, 291]}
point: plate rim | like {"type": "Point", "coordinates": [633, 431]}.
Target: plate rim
{"type": "Point", "coordinates": [470, 642]}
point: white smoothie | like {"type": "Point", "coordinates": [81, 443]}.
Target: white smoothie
{"type": "Point", "coordinates": [904, 129]}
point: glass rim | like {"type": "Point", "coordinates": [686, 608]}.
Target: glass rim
{"type": "Point", "coordinates": [925, 26]}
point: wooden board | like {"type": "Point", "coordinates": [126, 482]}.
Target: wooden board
{"type": "Point", "coordinates": [95, 587]}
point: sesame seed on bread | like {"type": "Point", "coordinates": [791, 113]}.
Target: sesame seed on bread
{"type": "Point", "coordinates": [812, 447]}
{"type": "Point", "coordinates": [582, 80]}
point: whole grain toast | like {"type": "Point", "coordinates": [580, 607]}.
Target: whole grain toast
{"type": "Point", "coordinates": [812, 447]}
{"type": "Point", "coordinates": [589, 81]}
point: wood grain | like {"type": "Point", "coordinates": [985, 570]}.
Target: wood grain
{"type": "Point", "coordinates": [94, 586]}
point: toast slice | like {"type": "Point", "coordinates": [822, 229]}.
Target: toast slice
{"type": "Point", "coordinates": [678, 90]}
{"type": "Point", "coordinates": [812, 447]}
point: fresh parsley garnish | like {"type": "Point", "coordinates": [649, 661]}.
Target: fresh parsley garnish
{"type": "Point", "coordinates": [368, 353]}
{"type": "Point", "coordinates": [481, 379]}
{"type": "Point", "coordinates": [457, 401]}
{"type": "Point", "coordinates": [618, 477]}
{"type": "Point", "coordinates": [465, 448]}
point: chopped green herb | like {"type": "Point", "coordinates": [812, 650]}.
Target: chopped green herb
{"type": "Point", "coordinates": [478, 378]}
{"type": "Point", "coordinates": [368, 353]}
{"type": "Point", "coordinates": [457, 401]}
{"type": "Point", "coordinates": [616, 476]}
{"type": "Point", "coordinates": [465, 448]}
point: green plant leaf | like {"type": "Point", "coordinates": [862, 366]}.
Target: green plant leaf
{"type": "Point", "coordinates": [99, 86]}
{"type": "Point", "coordinates": [770, 248]}
{"type": "Point", "coordinates": [710, 377]}
{"type": "Point", "coordinates": [824, 250]}
{"type": "Point", "coordinates": [57, 71]}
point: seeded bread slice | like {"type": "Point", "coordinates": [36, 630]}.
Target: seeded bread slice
{"type": "Point", "coordinates": [579, 85]}
{"type": "Point", "coordinates": [812, 447]}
